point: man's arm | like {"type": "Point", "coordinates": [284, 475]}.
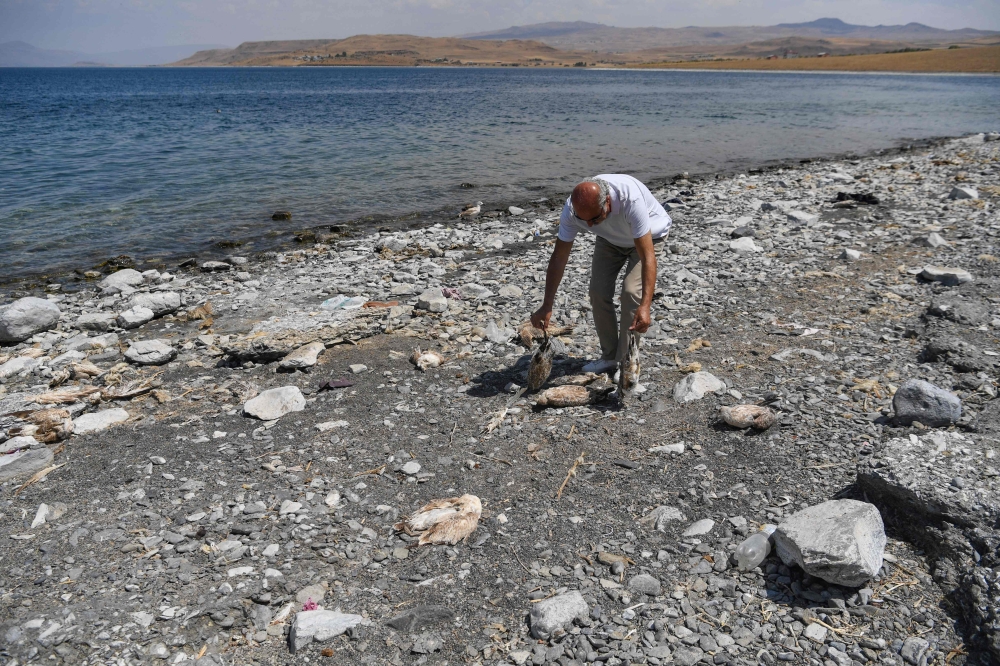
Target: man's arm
{"type": "Point", "coordinates": [553, 277]}
{"type": "Point", "coordinates": [647, 255]}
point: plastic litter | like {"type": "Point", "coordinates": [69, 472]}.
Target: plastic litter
{"type": "Point", "coordinates": [343, 303]}
{"type": "Point", "coordinates": [752, 551]}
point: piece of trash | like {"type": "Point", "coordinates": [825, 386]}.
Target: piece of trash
{"type": "Point", "coordinates": [451, 292]}
{"type": "Point", "coordinates": [380, 304]}
{"type": "Point", "coordinates": [310, 605]}
{"type": "Point", "coordinates": [343, 303]}
{"type": "Point", "coordinates": [748, 416]}
{"type": "Point", "coordinates": [335, 384]}
{"type": "Point", "coordinates": [426, 360]}
{"type": "Point", "coordinates": [443, 521]}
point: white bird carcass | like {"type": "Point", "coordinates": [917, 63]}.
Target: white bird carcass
{"type": "Point", "coordinates": [443, 521]}
{"type": "Point", "coordinates": [426, 360]}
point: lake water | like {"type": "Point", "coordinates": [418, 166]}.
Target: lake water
{"type": "Point", "coordinates": [159, 163]}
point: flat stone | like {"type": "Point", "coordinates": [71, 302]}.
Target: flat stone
{"type": "Point", "coordinates": [917, 400]}
{"type": "Point", "coordinates": [933, 240]}
{"type": "Point", "coordinates": [815, 632]}
{"type": "Point", "coordinates": [275, 403]}
{"type": "Point", "coordinates": [135, 317]}
{"type": "Point", "coordinates": [422, 616]}
{"type": "Point", "coordinates": [411, 468]}
{"type": "Point", "coordinates": [802, 217]}
{"type": "Point", "coordinates": [555, 614]}
{"type": "Point", "coordinates": [17, 365]}
{"type": "Point", "coordinates": [159, 302]}
{"type": "Point", "coordinates": [850, 255]}
{"type": "Point", "coordinates": [916, 475]}
{"type": "Point", "coordinates": [510, 291]}
{"type": "Point", "coordinates": [127, 277]}
{"type": "Point", "coordinates": [26, 317]}
{"type": "Point", "coordinates": [660, 517]}
{"type": "Point", "coordinates": [960, 310]}
{"type": "Point", "coordinates": [703, 526]}
{"type": "Point", "coordinates": [963, 192]}
{"type": "Point", "coordinates": [950, 277]}
{"type": "Point", "coordinates": [688, 656]}
{"type": "Point", "coordinates": [17, 443]}
{"type": "Point", "coordinates": [357, 368]}
{"type": "Point", "coordinates": [645, 584]}
{"type": "Point", "coordinates": [303, 357]}
{"type": "Point", "coordinates": [96, 321]}
{"type": "Point", "coordinates": [840, 541]}
{"type": "Point", "coordinates": [744, 244]}
{"type": "Point", "coordinates": [427, 644]}
{"type": "Point", "coordinates": [314, 593]}
{"type": "Point", "coordinates": [319, 626]}
{"type": "Point", "coordinates": [514, 210]}
{"type": "Point", "coordinates": [150, 352]}
{"type": "Point", "coordinates": [432, 300]}
{"type": "Point", "coordinates": [24, 463]}
{"type": "Point", "coordinates": [695, 385]}
{"type": "Point", "coordinates": [215, 266]}
{"type": "Point", "coordinates": [98, 421]}
{"type": "Point", "coordinates": [473, 292]}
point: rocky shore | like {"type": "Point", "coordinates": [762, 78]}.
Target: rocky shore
{"type": "Point", "coordinates": [208, 465]}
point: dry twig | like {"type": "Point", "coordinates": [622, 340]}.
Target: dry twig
{"type": "Point", "coordinates": [571, 473]}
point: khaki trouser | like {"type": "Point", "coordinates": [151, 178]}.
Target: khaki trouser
{"type": "Point", "coordinates": [607, 264]}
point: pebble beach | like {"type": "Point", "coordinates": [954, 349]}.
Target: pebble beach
{"type": "Point", "coordinates": [205, 463]}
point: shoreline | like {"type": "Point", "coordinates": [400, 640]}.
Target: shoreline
{"type": "Point", "coordinates": [72, 278]}
{"type": "Point", "coordinates": [166, 522]}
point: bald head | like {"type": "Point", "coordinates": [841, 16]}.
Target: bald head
{"type": "Point", "coordinates": [590, 199]}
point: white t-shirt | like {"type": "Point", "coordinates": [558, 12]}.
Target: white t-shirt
{"type": "Point", "coordinates": [634, 213]}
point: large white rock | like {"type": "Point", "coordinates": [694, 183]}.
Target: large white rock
{"type": "Point", "coordinates": [950, 277]}
{"type": "Point", "coordinates": [840, 541]}
{"type": "Point", "coordinates": [96, 321]}
{"type": "Point", "coordinates": [160, 302]}
{"type": "Point", "coordinates": [24, 463]}
{"type": "Point", "coordinates": [803, 217]}
{"type": "Point", "coordinates": [552, 615]}
{"type": "Point", "coordinates": [963, 193]}
{"type": "Point", "coordinates": [135, 317]}
{"type": "Point", "coordinates": [275, 403]}
{"type": "Point", "coordinates": [25, 317]}
{"type": "Point", "coordinates": [744, 244]}
{"type": "Point", "coordinates": [150, 352]}
{"type": "Point", "coordinates": [319, 626]}
{"type": "Point", "coordinates": [432, 300]}
{"type": "Point", "coordinates": [696, 385]}
{"type": "Point", "coordinates": [303, 357]}
{"type": "Point", "coordinates": [17, 365]}
{"type": "Point", "coordinates": [127, 277]}
{"type": "Point", "coordinates": [98, 421]}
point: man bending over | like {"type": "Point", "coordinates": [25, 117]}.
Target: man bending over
{"type": "Point", "coordinates": [630, 225]}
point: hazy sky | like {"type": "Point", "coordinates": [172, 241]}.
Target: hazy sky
{"type": "Point", "coordinates": [108, 25]}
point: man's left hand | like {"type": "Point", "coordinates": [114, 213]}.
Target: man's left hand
{"type": "Point", "coordinates": [641, 321]}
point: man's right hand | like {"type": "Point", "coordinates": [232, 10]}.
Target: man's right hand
{"type": "Point", "coordinates": [540, 318]}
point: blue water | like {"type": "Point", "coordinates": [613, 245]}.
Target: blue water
{"type": "Point", "coordinates": [159, 163]}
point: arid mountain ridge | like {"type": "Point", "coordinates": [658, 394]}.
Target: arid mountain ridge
{"type": "Point", "coordinates": [577, 43]}
{"type": "Point", "coordinates": [580, 35]}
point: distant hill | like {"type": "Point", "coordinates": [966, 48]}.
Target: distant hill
{"type": "Point", "coordinates": [22, 54]}
{"type": "Point", "coordinates": [606, 38]}
{"type": "Point", "coordinates": [384, 50]}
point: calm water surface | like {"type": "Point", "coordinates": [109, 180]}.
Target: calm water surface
{"type": "Point", "coordinates": [163, 162]}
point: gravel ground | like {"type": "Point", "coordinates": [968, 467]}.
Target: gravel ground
{"type": "Point", "coordinates": [191, 533]}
